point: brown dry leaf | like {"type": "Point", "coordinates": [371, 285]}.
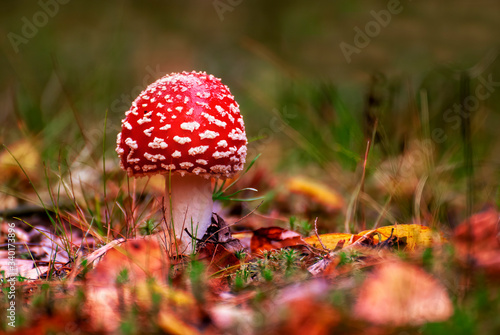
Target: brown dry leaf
{"type": "Point", "coordinates": [398, 294]}
{"type": "Point", "coordinates": [220, 263]}
{"type": "Point", "coordinates": [479, 238]}
{"type": "Point", "coordinates": [245, 238]}
{"type": "Point", "coordinates": [217, 257]}
{"type": "Point", "coordinates": [317, 192]}
{"type": "Point", "coordinates": [6, 228]}
{"type": "Point", "coordinates": [219, 232]}
{"type": "Point", "coordinates": [267, 239]}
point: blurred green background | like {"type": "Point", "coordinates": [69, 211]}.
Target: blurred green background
{"type": "Point", "coordinates": [63, 64]}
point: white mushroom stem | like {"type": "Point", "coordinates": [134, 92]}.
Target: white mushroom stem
{"type": "Point", "coordinates": [188, 205]}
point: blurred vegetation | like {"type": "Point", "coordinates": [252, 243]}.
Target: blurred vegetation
{"type": "Point", "coordinates": [299, 95]}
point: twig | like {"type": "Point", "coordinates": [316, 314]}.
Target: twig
{"type": "Point", "coordinates": [251, 212]}
{"type": "Point", "coordinates": [317, 235]}
{"type": "Point", "coordinates": [101, 251]}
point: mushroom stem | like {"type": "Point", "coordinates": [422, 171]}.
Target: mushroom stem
{"type": "Point", "coordinates": [188, 204]}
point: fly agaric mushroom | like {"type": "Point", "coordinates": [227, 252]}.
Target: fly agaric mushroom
{"type": "Point", "coordinates": [186, 126]}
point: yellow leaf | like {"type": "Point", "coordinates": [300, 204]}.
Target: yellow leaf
{"type": "Point", "coordinates": [28, 157]}
{"type": "Point", "coordinates": [409, 235]}
{"type": "Point", "coordinates": [316, 191]}
{"type": "Point", "coordinates": [413, 235]}
{"type": "Point", "coordinates": [330, 241]}
{"type": "Point", "coordinates": [174, 325]}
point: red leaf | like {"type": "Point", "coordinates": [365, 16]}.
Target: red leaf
{"type": "Point", "coordinates": [272, 238]}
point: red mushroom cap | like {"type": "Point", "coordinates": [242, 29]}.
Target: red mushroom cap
{"type": "Point", "coordinates": [184, 123]}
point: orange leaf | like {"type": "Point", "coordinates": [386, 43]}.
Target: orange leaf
{"type": "Point", "coordinates": [266, 239]}
{"type": "Point", "coordinates": [139, 259]}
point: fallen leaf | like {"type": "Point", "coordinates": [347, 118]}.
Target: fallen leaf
{"type": "Point", "coordinates": [317, 192]}
{"type": "Point", "coordinates": [267, 239]}
{"type": "Point", "coordinates": [112, 283]}
{"type": "Point", "coordinates": [228, 317]}
{"type": "Point", "coordinates": [479, 238]}
{"type": "Point", "coordinates": [409, 236]}
{"type": "Point", "coordinates": [304, 309]}
{"type": "Point", "coordinates": [95, 255]}
{"type": "Point", "coordinates": [399, 294]}
{"type": "Point", "coordinates": [36, 272]}
{"type": "Point", "coordinates": [245, 238]}
{"type": "Point", "coordinates": [141, 257]}
{"type": "Point", "coordinates": [306, 316]}
{"type": "Point", "coordinates": [220, 263]}
{"type": "Point", "coordinates": [59, 321]}
{"type": "Point", "coordinates": [218, 232]}
{"type": "Point", "coordinates": [6, 228]}
{"type": "Point", "coordinates": [217, 257]}
{"type": "Point", "coordinates": [331, 240]}
{"type": "Point", "coordinates": [21, 267]}
{"type": "Point", "coordinates": [28, 158]}
{"type": "Point", "coordinates": [51, 247]}
{"type": "Point", "coordinates": [326, 266]}
{"type": "Point", "coordinates": [171, 324]}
